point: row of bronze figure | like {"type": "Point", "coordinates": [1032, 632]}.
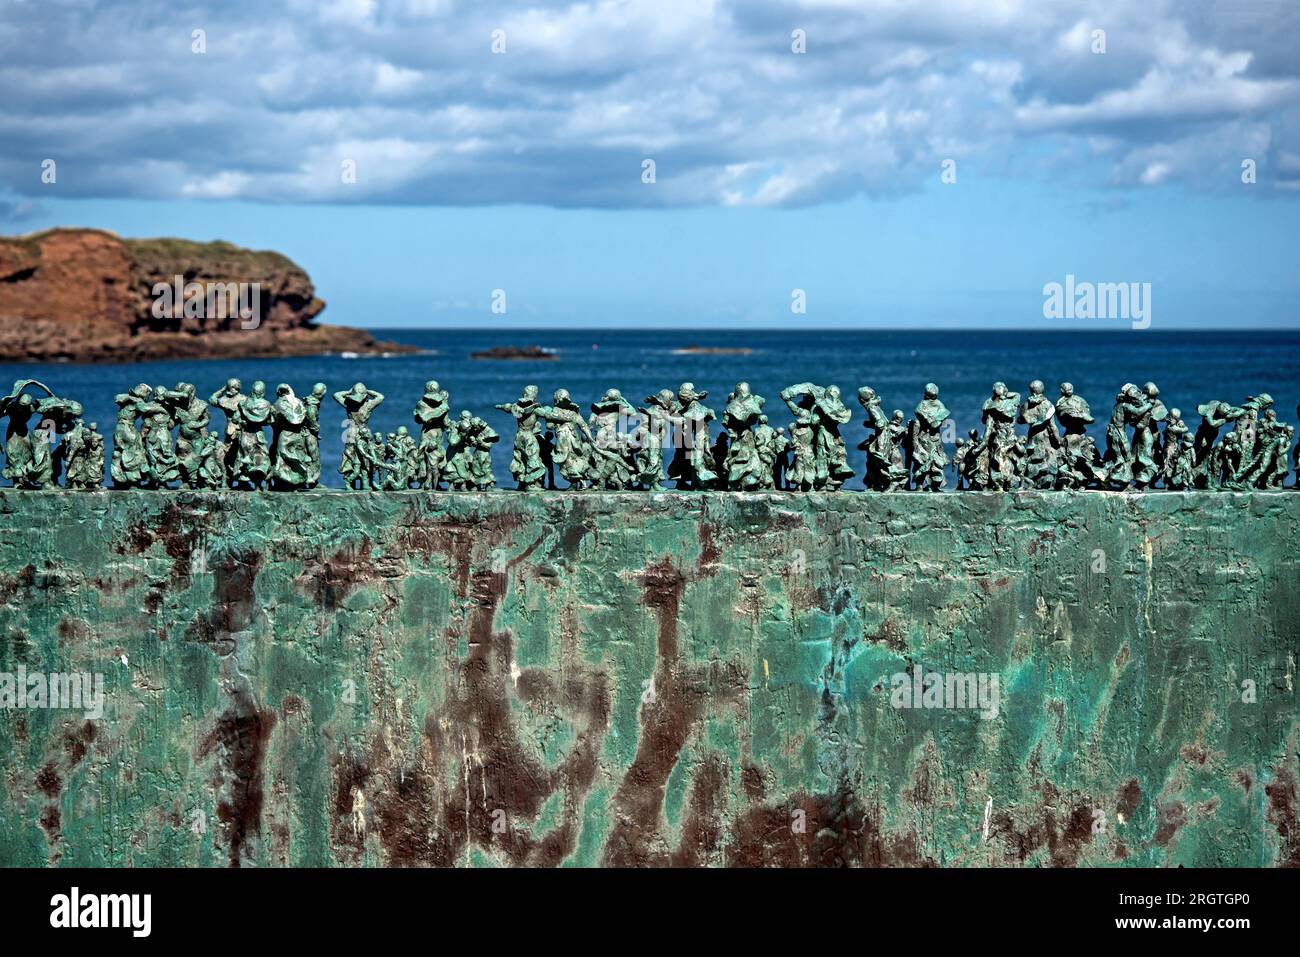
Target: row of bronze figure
{"type": "Point", "coordinates": [162, 440]}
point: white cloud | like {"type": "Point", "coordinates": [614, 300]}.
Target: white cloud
{"type": "Point", "coordinates": [710, 89]}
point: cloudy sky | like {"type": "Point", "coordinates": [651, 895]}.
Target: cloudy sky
{"type": "Point", "coordinates": [415, 155]}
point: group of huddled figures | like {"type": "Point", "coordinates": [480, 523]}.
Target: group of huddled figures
{"type": "Point", "coordinates": [163, 439]}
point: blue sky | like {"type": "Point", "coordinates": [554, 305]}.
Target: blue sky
{"type": "Point", "coordinates": [774, 170]}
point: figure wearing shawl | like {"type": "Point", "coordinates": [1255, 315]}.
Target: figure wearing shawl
{"type": "Point", "coordinates": [925, 441]}
{"type": "Point", "coordinates": [311, 433]}
{"type": "Point", "coordinates": [228, 399]}
{"type": "Point", "coordinates": [431, 416]}
{"type": "Point", "coordinates": [886, 470]}
{"type": "Point", "coordinates": [526, 459]}
{"type": "Point", "coordinates": [252, 458]}
{"type": "Point", "coordinates": [611, 466]}
{"type": "Point", "coordinates": [291, 466]}
{"type": "Point", "coordinates": [650, 438]}
{"type": "Point", "coordinates": [1146, 436]}
{"type": "Point", "coordinates": [743, 466]}
{"type": "Point", "coordinates": [571, 452]}
{"type": "Point", "coordinates": [693, 466]}
{"type": "Point", "coordinates": [999, 417]}
{"type": "Point", "coordinates": [1205, 457]}
{"type": "Point", "coordinates": [84, 456]}
{"type": "Point", "coordinates": [358, 403]}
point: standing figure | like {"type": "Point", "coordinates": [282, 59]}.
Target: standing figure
{"type": "Point", "coordinates": [828, 413]}
{"type": "Point", "coordinates": [526, 459]}
{"type": "Point", "coordinates": [970, 467]}
{"type": "Point", "coordinates": [1259, 468]}
{"type": "Point", "coordinates": [1119, 453]}
{"type": "Point", "coordinates": [1205, 457]}
{"type": "Point", "coordinates": [291, 460]}
{"type": "Point", "coordinates": [925, 441]}
{"type": "Point", "coordinates": [1276, 477]}
{"type": "Point", "coordinates": [358, 404]}
{"type": "Point", "coordinates": [801, 476]}
{"type": "Point", "coordinates": [130, 464]}
{"type": "Point", "coordinates": [460, 453]}
{"type": "Point", "coordinates": [650, 438]}
{"type": "Point", "coordinates": [886, 470]}
{"type": "Point", "coordinates": [483, 438]}
{"type": "Point", "coordinates": [744, 468]}
{"type": "Point", "coordinates": [1080, 463]}
{"type": "Point", "coordinates": [407, 458]}
{"type": "Point", "coordinates": [311, 433]}
{"type": "Point", "coordinates": [163, 467]}
{"type": "Point", "coordinates": [1044, 440]}
{"type": "Point", "coordinates": [190, 415]}
{"type": "Point", "coordinates": [766, 444]}
{"type": "Point", "coordinates": [780, 457]}
{"type": "Point", "coordinates": [692, 466]}
{"type": "Point", "coordinates": [1253, 409]}
{"type": "Point", "coordinates": [252, 461]}
{"type": "Point", "coordinates": [1179, 460]}
{"type": "Point", "coordinates": [31, 460]}
{"type": "Point", "coordinates": [84, 456]}
{"type": "Point", "coordinates": [431, 416]}
{"type": "Point", "coordinates": [999, 417]}
{"type": "Point", "coordinates": [228, 399]}
{"type": "Point", "coordinates": [571, 446]}
{"type": "Point", "coordinates": [1148, 415]}
{"type": "Point", "coordinates": [611, 463]}
{"type": "Point", "coordinates": [1171, 446]}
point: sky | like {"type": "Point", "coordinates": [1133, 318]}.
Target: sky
{"type": "Point", "coordinates": [883, 162]}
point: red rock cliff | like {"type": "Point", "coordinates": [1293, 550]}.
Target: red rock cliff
{"type": "Point", "coordinates": [86, 295]}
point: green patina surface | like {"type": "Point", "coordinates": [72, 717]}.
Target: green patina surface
{"type": "Point", "coordinates": [324, 678]}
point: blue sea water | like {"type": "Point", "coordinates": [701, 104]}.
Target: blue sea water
{"type": "Point", "coordinates": [1189, 367]}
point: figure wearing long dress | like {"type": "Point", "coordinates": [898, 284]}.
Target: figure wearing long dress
{"type": "Point", "coordinates": [611, 461]}
{"type": "Point", "coordinates": [431, 416]}
{"type": "Point", "coordinates": [692, 466]}
{"type": "Point", "coordinates": [801, 475]}
{"type": "Point", "coordinates": [483, 438]}
{"type": "Point", "coordinates": [1146, 437]}
{"type": "Point", "coordinates": [130, 462]}
{"type": "Point", "coordinates": [1205, 457]}
{"type": "Point", "coordinates": [886, 471]}
{"type": "Point", "coordinates": [526, 464]}
{"type": "Point", "coordinates": [84, 456]}
{"type": "Point", "coordinates": [929, 461]}
{"type": "Point", "coordinates": [358, 405]}
{"type": "Point", "coordinates": [743, 466]}
{"type": "Point", "coordinates": [999, 416]}
{"type": "Point", "coordinates": [311, 433]}
{"type": "Point", "coordinates": [190, 417]}
{"type": "Point", "coordinates": [252, 457]}
{"type": "Point", "coordinates": [1171, 447]}
{"type": "Point", "coordinates": [571, 446]}
{"type": "Point", "coordinates": [1044, 445]}
{"type": "Point", "coordinates": [163, 467]}
{"type": "Point", "coordinates": [213, 456]}
{"type": "Point", "coordinates": [828, 414]}
{"type": "Point", "coordinates": [291, 465]}
{"type": "Point", "coordinates": [228, 399]}
{"type": "Point", "coordinates": [766, 443]}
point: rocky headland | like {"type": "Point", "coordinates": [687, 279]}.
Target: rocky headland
{"type": "Point", "coordinates": [87, 295]}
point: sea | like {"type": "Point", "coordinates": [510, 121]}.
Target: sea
{"type": "Point", "coordinates": [1189, 367]}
